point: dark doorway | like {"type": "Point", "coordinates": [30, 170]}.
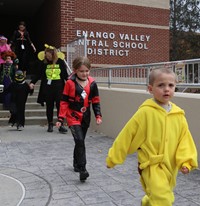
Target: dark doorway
{"type": "Point", "coordinates": [12, 12]}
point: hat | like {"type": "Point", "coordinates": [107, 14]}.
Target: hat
{"type": "Point", "coordinates": [19, 76]}
{"type": "Point", "coordinates": [41, 54]}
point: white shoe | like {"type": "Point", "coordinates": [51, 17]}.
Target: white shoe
{"type": "Point", "coordinates": [11, 124]}
{"type": "Point", "coordinates": [19, 127]}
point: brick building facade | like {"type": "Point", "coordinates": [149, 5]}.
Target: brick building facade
{"type": "Point", "coordinates": [119, 32]}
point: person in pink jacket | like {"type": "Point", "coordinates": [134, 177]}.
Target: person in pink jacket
{"type": "Point", "coordinates": [3, 47]}
{"type": "Point", "coordinates": [159, 133]}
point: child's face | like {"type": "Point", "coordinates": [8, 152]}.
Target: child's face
{"type": "Point", "coordinates": [82, 72]}
{"type": "Point", "coordinates": [49, 56]}
{"type": "Point", "coordinates": [8, 59]}
{"type": "Point", "coordinates": [3, 41]}
{"type": "Point", "coordinates": [163, 88]}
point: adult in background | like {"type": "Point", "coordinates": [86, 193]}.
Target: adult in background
{"type": "Point", "coordinates": [21, 42]}
{"type": "Point", "coordinates": [53, 73]}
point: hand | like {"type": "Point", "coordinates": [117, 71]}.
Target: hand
{"type": "Point", "coordinates": [58, 124]}
{"type": "Point", "coordinates": [184, 170]}
{"type": "Point", "coordinates": [98, 120]}
{"type": "Point", "coordinates": [31, 85]}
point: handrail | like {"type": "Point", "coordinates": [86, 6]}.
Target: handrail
{"type": "Point", "coordinates": [153, 64]}
{"type": "Point", "coordinates": [187, 71]}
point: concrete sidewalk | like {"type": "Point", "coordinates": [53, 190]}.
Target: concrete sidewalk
{"type": "Point", "coordinates": [36, 170]}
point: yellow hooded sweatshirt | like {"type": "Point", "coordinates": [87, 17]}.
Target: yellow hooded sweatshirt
{"type": "Point", "coordinates": [164, 144]}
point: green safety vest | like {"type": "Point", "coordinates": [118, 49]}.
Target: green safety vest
{"type": "Point", "coordinates": [53, 71]}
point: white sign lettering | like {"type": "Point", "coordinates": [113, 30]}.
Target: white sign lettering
{"type": "Point", "coordinates": [112, 44]}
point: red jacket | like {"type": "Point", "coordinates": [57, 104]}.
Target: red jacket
{"type": "Point", "coordinates": [76, 101]}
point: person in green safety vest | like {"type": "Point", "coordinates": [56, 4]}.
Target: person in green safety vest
{"type": "Point", "coordinates": [52, 71]}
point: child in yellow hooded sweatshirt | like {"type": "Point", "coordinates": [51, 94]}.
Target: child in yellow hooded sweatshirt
{"type": "Point", "coordinates": [159, 133]}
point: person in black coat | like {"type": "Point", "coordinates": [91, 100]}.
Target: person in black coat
{"type": "Point", "coordinates": [21, 43]}
{"type": "Point", "coordinates": [52, 71]}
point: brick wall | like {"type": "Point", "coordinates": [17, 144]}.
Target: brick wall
{"type": "Point", "coordinates": [91, 9]}
{"type": "Point", "coordinates": [67, 21]}
{"type": "Point", "coordinates": [117, 19]}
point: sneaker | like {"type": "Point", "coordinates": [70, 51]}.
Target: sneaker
{"type": "Point", "coordinates": [62, 129]}
{"type": "Point", "coordinates": [83, 175]}
{"type": "Point", "coordinates": [11, 124]}
{"type": "Point", "coordinates": [19, 127]}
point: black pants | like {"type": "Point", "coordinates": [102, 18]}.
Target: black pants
{"type": "Point", "coordinates": [79, 134]}
{"type": "Point", "coordinates": [53, 95]}
{"type": "Point", "coordinates": [23, 59]}
{"type": "Point", "coordinates": [17, 113]}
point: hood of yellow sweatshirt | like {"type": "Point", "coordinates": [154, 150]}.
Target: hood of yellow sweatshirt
{"type": "Point", "coordinates": [152, 103]}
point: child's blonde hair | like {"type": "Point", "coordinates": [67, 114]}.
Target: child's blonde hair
{"type": "Point", "coordinates": [154, 73]}
{"type": "Point", "coordinates": [79, 61]}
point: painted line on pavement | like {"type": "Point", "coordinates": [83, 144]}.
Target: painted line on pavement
{"type": "Point", "coordinates": [22, 186]}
